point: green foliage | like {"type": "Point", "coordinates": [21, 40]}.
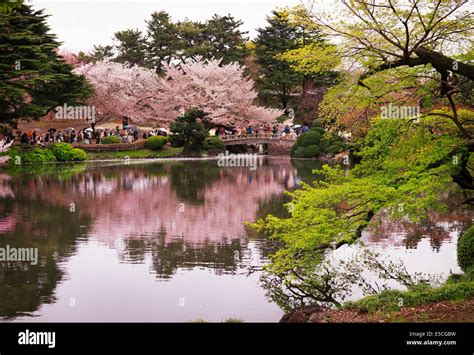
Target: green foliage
{"type": "Point", "coordinates": [37, 155]}
{"type": "Point", "coordinates": [7, 6]}
{"type": "Point", "coordinates": [131, 47]}
{"type": "Point", "coordinates": [465, 249]}
{"type": "Point", "coordinates": [176, 140]}
{"type": "Point", "coordinates": [311, 151]}
{"type": "Point", "coordinates": [156, 142]}
{"type": "Point", "coordinates": [335, 148]}
{"type": "Point", "coordinates": [233, 320]}
{"type": "Point", "coordinates": [192, 127]}
{"type": "Point", "coordinates": [389, 300]}
{"type": "Point", "coordinates": [213, 142]}
{"type": "Point", "coordinates": [279, 36]}
{"type": "Point", "coordinates": [33, 78]}
{"type": "Point", "coordinates": [404, 170]}
{"type": "Point", "coordinates": [66, 152]}
{"type": "Point", "coordinates": [110, 140]}
{"type": "Point", "coordinates": [309, 138]}
{"type": "Point", "coordinates": [166, 41]}
{"type": "Point", "coordinates": [298, 152]}
{"type": "Point", "coordinates": [317, 139]}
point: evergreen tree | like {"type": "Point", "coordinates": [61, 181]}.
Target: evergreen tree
{"type": "Point", "coordinates": [226, 41]}
{"type": "Point", "coordinates": [162, 41]}
{"type": "Point", "coordinates": [33, 77]}
{"type": "Point", "coordinates": [192, 126]}
{"type": "Point", "coordinates": [98, 54]}
{"type": "Point", "coordinates": [131, 47]}
{"type": "Point", "coordinates": [281, 35]}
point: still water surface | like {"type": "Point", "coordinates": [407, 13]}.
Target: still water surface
{"type": "Point", "coordinates": [165, 241]}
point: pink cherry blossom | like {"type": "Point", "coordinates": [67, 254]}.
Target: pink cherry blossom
{"type": "Point", "coordinates": [222, 91]}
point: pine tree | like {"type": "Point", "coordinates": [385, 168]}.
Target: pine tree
{"type": "Point", "coordinates": [162, 41]}
{"type": "Point", "coordinates": [130, 47]}
{"type": "Point", "coordinates": [281, 35]}
{"type": "Point", "coordinates": [33, 77]}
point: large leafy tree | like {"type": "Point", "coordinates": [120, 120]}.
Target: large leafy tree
{"type": "Point", "coordinates": [403, 52]}
{"type": "Point", "coordinates": [33, 77]}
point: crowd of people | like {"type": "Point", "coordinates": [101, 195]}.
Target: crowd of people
{"type": "Point", "coordinates": [128, 134]}
{"type": "Point", "coordinates": [276, 130]}
{"type": "Point", "coordinates": [81, 136]}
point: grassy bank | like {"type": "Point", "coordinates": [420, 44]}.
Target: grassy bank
{"type": "Point", "coordinates": [457, 288]}
{"type": "Point", "coordinates": [136, 154]}
{"type": "Point", "coordinates": [451, 302]}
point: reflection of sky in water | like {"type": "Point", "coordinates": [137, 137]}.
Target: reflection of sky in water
{"type": "Point", "coordinates": [147, 237]}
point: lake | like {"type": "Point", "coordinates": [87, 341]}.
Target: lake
{"type": "Point", "coordinates": [165, 241]}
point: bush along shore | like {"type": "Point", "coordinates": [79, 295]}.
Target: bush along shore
{"type": "Point", "coordinates": [453, 301]}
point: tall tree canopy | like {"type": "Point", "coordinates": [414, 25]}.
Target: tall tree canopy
{"type": "Point", "coordinates": [282, 34]}
{"type": "Point", "coordinates": [33, 77]}
{"type": "Point", "coordinates": [414, 52]}
{"type": "Point", "coordinates": [130, 47]}
{"type": "Point", "coordinates": [166, 42]}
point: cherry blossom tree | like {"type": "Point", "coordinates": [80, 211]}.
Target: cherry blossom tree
{"type": "Point", "coordinates": [222, 91]}
{"type": "Point", "coordinates": [71, 58]}
{"type": "Point", "coordinates": [123, 91]}
{"type": "Point", "coordinates": [4, 146]}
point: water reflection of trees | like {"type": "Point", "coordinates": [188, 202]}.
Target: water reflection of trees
{"type": "Point", "coordinates": [140, 206]}
{"type": "Point", "coordinates": [137, 204]}
{"type": "Point", "coordinates": [50, 228]}
{"type": "Point", "coordinates": [438, 228]}
{"type": "Point", "coordinates": [169, 256]}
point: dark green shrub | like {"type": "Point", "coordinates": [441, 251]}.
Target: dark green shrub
{"type": "Point", "coordinates": [213, 142]}
{"type": "Point", "coordinates": [176, 140]}
{"type": "Point", "coordinates": [334, 148]}
{"type": "Point", "coordinates": [311, 151]}
{"type": "Point", "coordinates": [318, 130]}
{"type": "Point", "coordinates": [66, 152]}
{"type": "Point", "coordinates": [309, 138]}
{"type": "Point", "coordinates": [465, 249]}
{"type": "Point", "coordinates": [156, 142]}
{"type": "Point", "coordinates": [111, 140]}
{"type": "Point", "coordinates": [299, 152]}
{"type": "Point", "coordinates": [37, 155]}
{"type": "Point", "coordinates": [316, 137]}
{"type": "Point", "coordinates": [192, 127]}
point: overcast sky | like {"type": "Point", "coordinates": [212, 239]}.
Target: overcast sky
{"type": "Point", "coordinates": [81, 24]}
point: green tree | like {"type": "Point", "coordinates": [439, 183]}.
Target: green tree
{"type": "Point", "coordinates": [162, 41]}
{"type": "Point", "coordinates": [404, 165]}
{"type": "Point", "coordinates": [130, 47]}
{"type": "Point", "coordinates": [7, 6]}
{"type": "Point", "coordinates": [192, 126]}
{"type": "Point", "coordinates": [98, 54]}
{"type": "Point", "coordinates": [33, 78]}
{"type": "Point", "coordinates": [283, 33]}
{"type": "Point", "coordinates": [225, 39]}
{"type": "Point", "coordinates": [278, 79]}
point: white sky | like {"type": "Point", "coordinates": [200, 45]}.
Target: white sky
{"type": "Point", "coordinates": [81, 24]}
